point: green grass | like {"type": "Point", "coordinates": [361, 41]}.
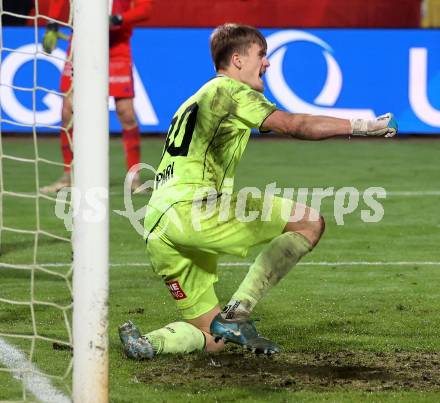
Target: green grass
{"type": "Point", "coordinates": [325, 317]}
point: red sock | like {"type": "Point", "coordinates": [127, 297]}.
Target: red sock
{"type": "Point", "coordinates": [132, 146]}
{"type": "Point", "coordinates": [66, 149]}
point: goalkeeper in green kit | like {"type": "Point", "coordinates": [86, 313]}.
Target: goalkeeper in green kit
{"type": "Point", "coordinates": [193, 216]}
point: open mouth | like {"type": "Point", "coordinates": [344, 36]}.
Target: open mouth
{"type": "Point", "coordinates": [261, 74]}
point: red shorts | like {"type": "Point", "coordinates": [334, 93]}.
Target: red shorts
{"type": "Point", "coordinates": [120, 79]}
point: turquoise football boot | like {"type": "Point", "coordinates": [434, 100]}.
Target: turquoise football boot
{"type": "Point", "coordinates": [242, 332]}
{"type": "Point", "coordinates": [135, 345]}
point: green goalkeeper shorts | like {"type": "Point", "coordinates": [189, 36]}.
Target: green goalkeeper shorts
{"type": "Point", "coordinates": [184, 245]}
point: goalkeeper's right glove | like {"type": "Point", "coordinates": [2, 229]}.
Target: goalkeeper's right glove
{"type": "Point", "coordinates": [382, 126]}
{"type": "Point", "coordinates": [51, 36]}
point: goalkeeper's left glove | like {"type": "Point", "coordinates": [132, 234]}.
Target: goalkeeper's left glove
{"type": "Point", "coordinates": [115, 21]}
{"type": "Point", "coordinates": [382, 126]}
{"type": "Point", "coordinates": [51, 36]}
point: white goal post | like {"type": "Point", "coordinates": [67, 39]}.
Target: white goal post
{"type": "Point", "coordinates": [91, 170]}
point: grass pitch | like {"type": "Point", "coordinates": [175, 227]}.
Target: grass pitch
{"type": "Point", "coordinates": [365, 331]}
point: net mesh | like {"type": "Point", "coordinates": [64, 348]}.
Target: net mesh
{"type": "Point", "coordinates": [35, 246]}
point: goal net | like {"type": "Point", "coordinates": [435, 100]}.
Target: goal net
{"type": "Point", "coordinates": [48, 308]}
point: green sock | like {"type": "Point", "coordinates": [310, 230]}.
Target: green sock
{"type": "Point", "coordinates": [177, 337]}
{"type": "Point", "coordinates": [271, 265]}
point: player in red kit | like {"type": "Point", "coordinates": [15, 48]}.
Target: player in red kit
{"type": "Point", "coordinates": [125, 14]}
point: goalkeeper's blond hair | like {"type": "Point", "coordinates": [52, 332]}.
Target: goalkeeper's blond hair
{"type": "Point", "coordinates": [230, 38]}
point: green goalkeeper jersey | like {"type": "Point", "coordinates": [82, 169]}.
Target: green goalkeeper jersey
{"type": "Point", "coordinates": [205, 142]}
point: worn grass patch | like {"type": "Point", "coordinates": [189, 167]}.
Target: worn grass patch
{"type": "Point", "coordinates": [319, 372]}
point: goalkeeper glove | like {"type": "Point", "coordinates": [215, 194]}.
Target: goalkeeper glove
{"type": "Point", "coordinates": [115, 21]}
{"type": "Point", "coordinates": [382, 126]}
{"type": "Point", "coordinates": [51, 36]}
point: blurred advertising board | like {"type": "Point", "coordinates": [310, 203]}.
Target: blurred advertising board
{"type": "Point", "coordinates": [339, 72]}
